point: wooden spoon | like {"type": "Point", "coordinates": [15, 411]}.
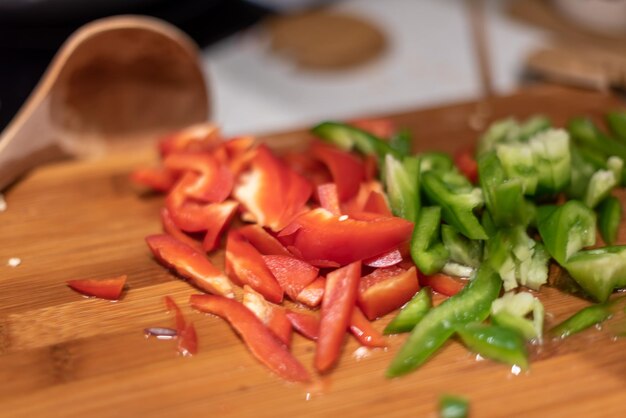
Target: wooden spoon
{"type": "Point", "coordinates": [114, 78]}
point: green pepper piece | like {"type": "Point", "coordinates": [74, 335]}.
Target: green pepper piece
{"type": "Point", "coordinates": [469, 305]}
{"type": "Point", "coordinates": [402, 142]}
{"type": "Point", "coordinates": [427, 250]}
{"type": "Point", "coordinates": [567, 229]}
{"type": "Point", "coordinates": [551, 152]}
{"type": "Point", "coordinates": [617, 123]}
{"type": "Point", "coordinates": [411, 313]}
{"type": "Point", "coordinates": [609, 218]}
{"type": "Point", "coordinates": [511, 310]}
{"type": "Point", "coordinates": [402, 186]}
{"type": "Point", "coordinates": [435, 161]}
{"type": "Point", "coordinates": [457, 208]}
{"type": "Point", "coordinates": [599, 271]}
{"type": "Point", "coordinates": [532, 126]}
{"type": "Point", "coordinates": [585, 132]}
{"type": "Point", "coordinates": [504, 130]}
{"type": "Point", "coordinates": [462, 250]}
{"type": "Point", "coordinates": [451, 406]}
{"type": "Point", "coordinates": [496, 343]}
{"type": "Point", "coordinates": [348, 137]}
{"type": "Point", "coordinates": [583, 319]}
{"type": "Point", "coordinates": [582, 170]}
{"type": "Point", "coordinates": [601, 183]}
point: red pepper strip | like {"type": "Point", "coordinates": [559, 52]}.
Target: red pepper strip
{"type": "Point", "coordinates": [337, 307]}
{"type": "Point", "coordinates": [386, 289]}
{"type": "Point", "coordinates": [263, 240]}
{"type": "Point", "coordinates": [170, 305]}
{"type": "Point", "coordinates": [196, 138]}
{"type": "Point", "coordinates": [172, 229]}
{"type": "Point", "coordinates": [190, 264]}
{"type": "Point", "coordinates": [222, 214]}
{"type": "Point", "coordinates": [99, 288]}
{"type": "Point", "coordinates": [329, 198]}
{"type": "Point", "coordinates": [382, 128]}
{"type": "Point", "coordinates": [376, 203]}
{"type": "Point", "coordinates": [158, 179]}
{"type": "Point", "coordinates": [245, 265]}
{"type": "Point", "coordinates": [370, 163]}
{"type": "Point", "coordinates": [364, 332]}
{"type": "Point", "coordinates": [258, 338]}
{"type": "Point", "coordinates": [342, 239]}
{"type": "Point", "coordinates": [388, 259]}
{"type": "Point", "coordinates": [214, 182]}
{"type": "Point", "coordinates": [444, 284]}
{"type": "Point", "coordinates": [292, 274]}
{"type": "Point", "coordinates": [273, 316]}
{"type": "Point", "coordinates": [357, 203]}
{"type": "Point", "coordinates": [306, 323]}
{"type": "Point", "coordinates": [271, 192]}
{"type": "Point", "coordinates": [346, 169]}
{"type": "Point", "coordinates": [465, 162]}
{"type": "Point", "coordinates": [188, 341]}
{"type": "Point", "coordinates": [312, 294]}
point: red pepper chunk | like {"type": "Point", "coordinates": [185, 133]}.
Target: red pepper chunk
{"type": "Point", "coordinates": [388, 259]}
{"type": "Point", "coordinates": [110, 289]}
{"type": "Point", "coordinates": [312, 294]}
{"type": "Point", "coordinates": [346, 169]}
{"type": "Point", "coordinates": [273, 316]}
{"type": "Point", "coordinates": [306, 323]}
{"type": "Point", "coordinates": [466, 163]}
{"type": "Point", "coordinates": [329, 198]}
{"type": "Point", "coordinates": [271, 192]}
{"type": "Point", "coordinates": [258, 338]}
{"type": "Point", "coordinates": [364, 331]}
{"type": "Point", "coordinates": [386, 289]}
{"type": "Point", "coordinates": [342, 239]}
{"type": "Point", "coordinates": [245, 265]}
{"type": "Point", "coordinates": [376, 203]}
{"type": "Point", "coordinates": [444, 284]}
{"type": "Point", "coordinates": [337, 306]}
{"type": "Point", "coordinates": [292, 274]}
{"type": "Point", "coordinates": [214, 181]}
{"type": "Point", "coordinates": [172, 229]}
{"type": "Point", "coordinates": [190, 264]}
{"type": "Point", "coordinates": [263, 240]}
{"type": "Point", "coordinates": [185, 332]}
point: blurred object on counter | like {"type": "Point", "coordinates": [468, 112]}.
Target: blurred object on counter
{"type": "Point", "coordinates": [588, 47]}
{"type": "Point", "coordinates": [325, 39]}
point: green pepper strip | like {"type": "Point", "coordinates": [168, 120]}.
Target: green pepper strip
{"type": "Point", "coordinates": [609, 218]}
{"type": "Point", "coordinates": [402, 186]}
{"type": "Point", "coordinates": [566, 229]}
{"type": "Point", "coordinates": [599, 271]}
{"type": "Point", "coordinates": [495, 342]}
{"type": "Point", "coordinates": [456, 207]}
{"type": "Point", "coordinates": [347, 137]}
{"type": "Point", "coordinates": [583, 319]}
{"type": "Point", "coordinates": [427, 250]}
{"type": "Point", "coordinates": [411, 313]}
{"type": "Point", "coordinates": [469, 305]}
{"type": "Point", "coordinates": [462, 250]}
{"type": "Point", "coordinates": [451, 406]}
{"type": "Point", "coordinates": [617, 123]}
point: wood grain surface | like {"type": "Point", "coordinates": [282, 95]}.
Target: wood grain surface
{"type": "Point", "coordinates": [65, 355]}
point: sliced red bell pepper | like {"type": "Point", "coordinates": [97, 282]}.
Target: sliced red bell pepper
{"type": "Point", "coordinates": [214, 181]}
{"type": "Point", "coordinates": [347, 169]}
{"type": "Point", "coordinates": [309, 167]}
{"type": "Point", "coordinates": [380, 127]}
{"type": "Point", "coordinates": [388, 259]}
{"type": "Point", "coordinates": [466, 163]}
{"type": "Point", "coordinates": [222, 214]}
{"type": "Point", "coordinates": [187, 341]}
{"type": "Point", "coordinates": [258, 338]}
{"type": "Point", "coordinates": [329, 198]}
{"type": "Point", "coordinates": [263, 240]}
{"type": "Point", "coordinates": [110, 289]}
{"type": "Point", "coordinates": [272, 193]}
{"type": "Point", "coordinates": [273, 316]}
{"type": "Point", "coordinates": [337, 306]}
{"type": "Point", "coordinates": [370, 164]}
{"type": "Point", "coordinates": [306, 323]}
{"type": "Point", "coordinates": [386, 289]}
{"type": "Point", "coordinates": [245, 265]}
{"type": "Point", "coordinates": [172, 306]}
{"type": "Point", "coordinates": [292, 274]}
{"type": "Point", "coordinates": [158, 179]}
{"type": "Point", "coordinates": [376, 203]}
{"type": "Point", "coordinates": [444, 284]}
{"type": "Point", "coordinates": [172, 229]}
{"type": "Point", "coordinates": [312, 294]}
{"type": "Point", "coordinates": [357, 203]}
{"type": "Point", "coordinates": [196, 138]}
{"type": "Point", "coordinates": [190, 264]}
{"type": "Point", "coordinates": [364, 331]}
{"type": "Point", "coordinates": [322, 236]}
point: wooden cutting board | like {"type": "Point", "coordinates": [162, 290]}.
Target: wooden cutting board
{"type": "Point", "coordinates": [64, 355]}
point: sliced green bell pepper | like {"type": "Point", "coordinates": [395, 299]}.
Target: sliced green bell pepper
{"type": "Point", "coordinates": [462, 250]}
{"type": "Point", "coordinates": [551, 152]}
{"type": "Point", "coordinates": [402, 186]}
{"type": "Point", "coordinates": [495, 342]}
{"type": "Point", "coordinates": [451, 406]}
{"type": "Point", "coordinates": [348, 137]}
{"type": "Point", "coordinates": [599, 271]}
{"type": "Point", "coordinates": [427, 250]}
{"type": "Point", "coordinates": [583, 319]}
{"type": "Point", "coordinates": [511, 311]}
{"type": "Point", "coordinates": [412, 313]}
{"type": "Point", "coordinates": [609, 218]}
{"type": "Point", "coordinates": [469, 305]}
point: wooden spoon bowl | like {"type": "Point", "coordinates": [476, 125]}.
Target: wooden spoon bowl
{"type": "Point", "coordinates": [113, 79]}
